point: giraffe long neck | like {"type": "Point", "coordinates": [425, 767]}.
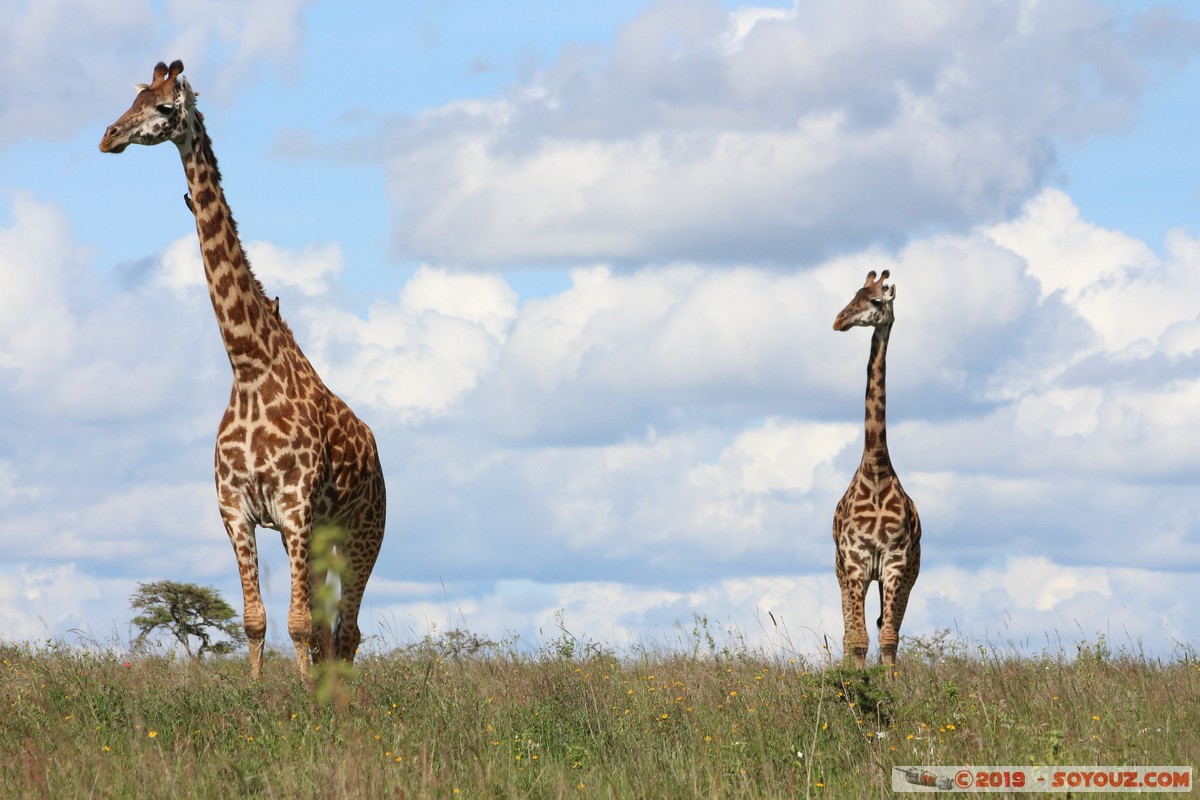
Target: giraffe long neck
{"type": "Point", "coordinates": [875, 449]}
{"type": "Point", "coordinates": [251, 333]}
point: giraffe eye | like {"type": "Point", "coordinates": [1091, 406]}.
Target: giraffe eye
{"type": "Point", "coordinates": [875, 301]}
{"type": "Point", "coordinates": [166, 108]}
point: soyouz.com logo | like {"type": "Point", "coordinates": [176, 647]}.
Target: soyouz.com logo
{"type": "Point", "coordinates": [978, 779]}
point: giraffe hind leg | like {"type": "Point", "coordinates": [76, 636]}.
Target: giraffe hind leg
{"type": "Point", "coordinates": [361, 550]}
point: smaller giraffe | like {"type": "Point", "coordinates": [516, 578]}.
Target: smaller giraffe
{"type": "Point", "coordinates": [876, 530]}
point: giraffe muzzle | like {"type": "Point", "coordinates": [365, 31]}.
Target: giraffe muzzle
{"type": "Point", "coordinates": [107, 145]}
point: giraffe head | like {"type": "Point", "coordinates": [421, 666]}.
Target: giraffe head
{"type": "Point", "coordinates": [871, 306]}
{"type": "Point", "coordinates": [159, 112]}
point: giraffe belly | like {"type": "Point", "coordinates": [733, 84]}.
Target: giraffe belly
{"type": "Point", "coordinates": [861, 558]}
{"type": "Point", "coordinates": [286, 462]}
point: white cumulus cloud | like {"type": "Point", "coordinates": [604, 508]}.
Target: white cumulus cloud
{"type": "Point", "coordinates": [711, 135]}
{"type": "Point", "coordinates": [55, 80]}
{"type": "Point", "coordinates": [417, 355]}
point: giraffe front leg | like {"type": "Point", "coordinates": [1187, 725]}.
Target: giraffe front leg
{"type": "Point", "coordinates": [855, 641]}
{"type": "Point", "coordinates": [254, 616]}
{"type": "Point", "coordinates": [322, 630]}
{"type": "Point", "coordinates": [895, 601]}
{"type": "Point", "coordinates": [296, 541]}
{"type": "Point", "coordinates": [888, 640]}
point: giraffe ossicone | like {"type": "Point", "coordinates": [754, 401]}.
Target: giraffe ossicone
{"type": "Point", "coordinates": [876, 530]}
{"type": "Point", "coordinates": [290, 454]}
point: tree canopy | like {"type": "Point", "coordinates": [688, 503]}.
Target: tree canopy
{"type": "Point", "coordinates": [188, 612]}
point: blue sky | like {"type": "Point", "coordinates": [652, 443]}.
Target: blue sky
{"type": "Point", "coordinates": [576, 264]}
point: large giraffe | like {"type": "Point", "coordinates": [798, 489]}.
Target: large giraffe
{"type": "Point", "coordinates": [876, 530]}
{"type": "Point", "coordinates": [290, 455]}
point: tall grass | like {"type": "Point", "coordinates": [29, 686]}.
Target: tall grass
{"type": "Point", "coordinates": [456, 716]}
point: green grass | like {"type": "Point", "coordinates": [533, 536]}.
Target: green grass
{"type": "Point", "coordinates": [440, 719]}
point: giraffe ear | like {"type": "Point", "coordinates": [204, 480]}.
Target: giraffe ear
{"type": "Point", "coordinates": [140, 87]}
{"type": "Point", "coordinates": [889, 292]}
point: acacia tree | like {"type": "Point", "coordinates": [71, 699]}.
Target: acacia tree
{"type": "Point", "coordinates": [186, 611]}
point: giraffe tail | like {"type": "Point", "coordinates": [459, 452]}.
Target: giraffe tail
{"type": "Point", "coordinates": [879, 622]}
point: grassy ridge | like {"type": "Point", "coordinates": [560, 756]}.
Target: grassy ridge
{"type": "Point", "coordinates": [440, 720]}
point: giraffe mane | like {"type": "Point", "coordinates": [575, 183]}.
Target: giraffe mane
{"type": "Point", "coordinates": [205, 144]}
